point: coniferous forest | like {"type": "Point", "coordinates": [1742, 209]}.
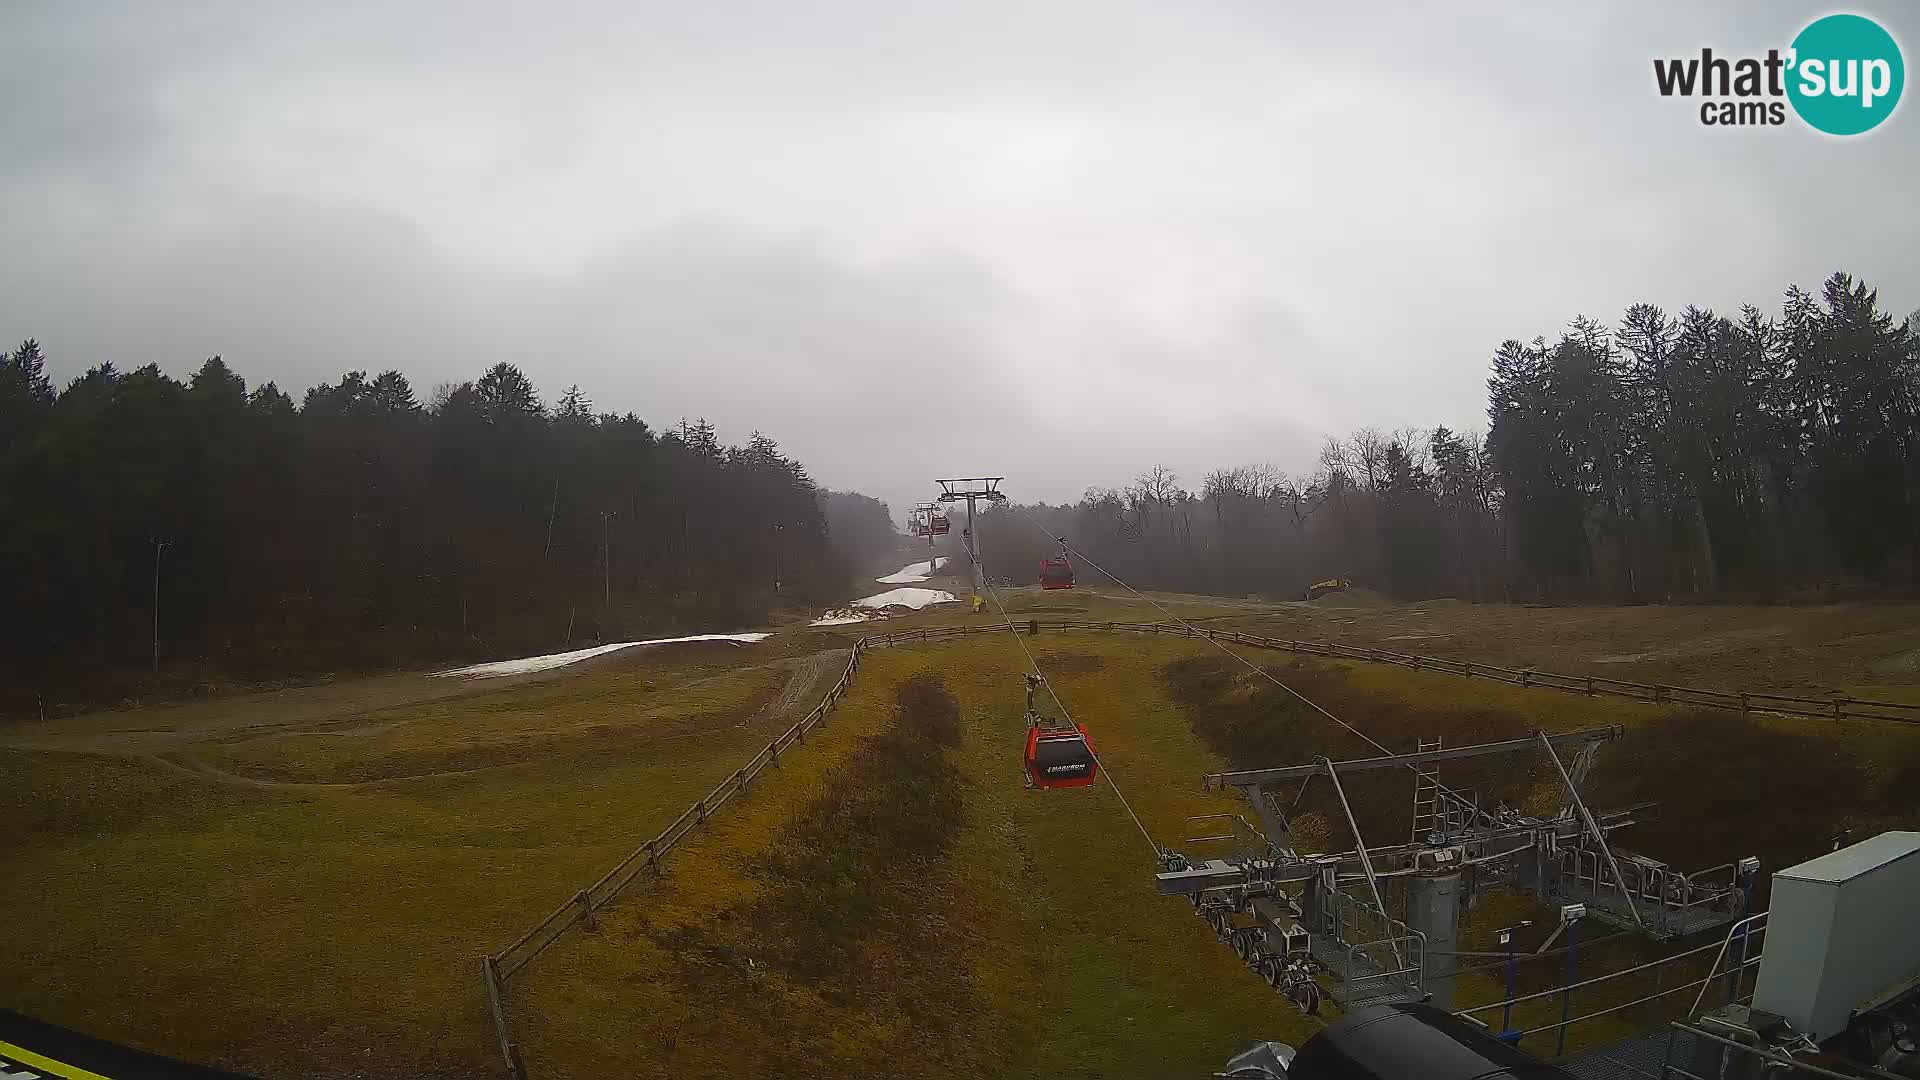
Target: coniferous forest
{"type": "Point", "coordinates": [1692, 456]}
{"type": "Point", "coordinates": [363, 528]}
{"type": "Point", "coordinates": [1695, 456]}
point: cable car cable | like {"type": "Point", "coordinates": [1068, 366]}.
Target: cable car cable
{"type": "Point", "coordinates": [1263, 672]}
{"type": "Point", "coordinates": [1052, 693]}
{"type": "Point", "coordinates": [1208, 637]}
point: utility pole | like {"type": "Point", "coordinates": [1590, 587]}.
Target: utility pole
{"type": "Point", "coordinates": [1506, 1033]}
{"type": "Point", "coordinates": [777, 530]}
{"type": "Point", "coordinates": [553, 508]}
{"type": "Point", "coordinates": [158, 546]}
{"type": "Point", "coordinates": [973, 489]}
{"type": "Point", "coordinates": [606, 564]}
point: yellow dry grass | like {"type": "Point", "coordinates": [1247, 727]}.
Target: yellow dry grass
{"type": "Point", "coordinates": [335, 930]}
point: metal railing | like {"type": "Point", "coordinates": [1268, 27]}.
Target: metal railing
{"type": "Point", "coordinates": [1393, 953]}
{"type": "Point", "coordinates": [1410, 947]}
{"type": "Point", "coordinates": [1743, 933]}
{"type": "Point", "coordinates": [1731, 1057]}
{"type": "Point", "coordinates": [1247, 841]}
{"type": "Point", "coordinates": [1670, 894]}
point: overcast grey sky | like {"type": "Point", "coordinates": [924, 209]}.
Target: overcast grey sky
{"type": "Point", "coordinates": [1059, 241]}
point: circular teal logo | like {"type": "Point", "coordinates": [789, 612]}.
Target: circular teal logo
{"type": "Point", "coordinates": [1846, 74]}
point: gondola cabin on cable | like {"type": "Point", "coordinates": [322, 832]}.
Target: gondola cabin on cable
{"type": "Point", "coordinates": [1060, 757]}
{"type": "Point", "coordinates": [1056, 573]}
{"type": "Point", "coordinates": [919, 521]}
{"type": "Point", "coordinates": [937, 523]}
{"type": "Point", "coordinates": [1059, 753]}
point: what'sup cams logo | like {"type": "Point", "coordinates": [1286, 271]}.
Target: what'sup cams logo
{"type": "Point", "coordinates": [1842, 75]}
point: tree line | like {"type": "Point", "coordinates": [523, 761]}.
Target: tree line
{"type": "Point", "coordinates": [165, 534]}
{"type": "Point", "coordinates": [1690, 456]}
{"type": "Point", "coordinates": [862, 529]}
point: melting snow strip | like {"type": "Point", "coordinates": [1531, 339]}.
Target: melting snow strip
{"type": "Point", "coordinates": [913, 572]}
{"type": "Point", "coordinates": [913, 598]}
{"type": "Point", "coordinates": [562, 659]}
{"type": "Point", "coordinates": [839, 619]}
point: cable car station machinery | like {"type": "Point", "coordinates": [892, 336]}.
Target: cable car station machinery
{"type": "Point", "coordinates": [1370, 918]}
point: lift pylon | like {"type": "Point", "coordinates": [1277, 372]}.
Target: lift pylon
{"type": "Point", "coordinates": [972, 489]}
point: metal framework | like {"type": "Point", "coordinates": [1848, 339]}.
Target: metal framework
{"type": "Point", "coordinates": [972, 489]}
{"type": "Point", "coordinates": [1340, 909]}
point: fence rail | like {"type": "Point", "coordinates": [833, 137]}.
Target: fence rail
{"type": "Point", "coordinates": [583, 905]}
{"type": "Point", "coordinates": [1833, 707]}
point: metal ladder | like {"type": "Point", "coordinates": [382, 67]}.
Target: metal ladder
{"type": "Point", "coordinates": [1427, 816]}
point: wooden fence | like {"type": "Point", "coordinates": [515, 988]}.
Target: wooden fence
{"type": "Point", "coordinates": [497, 968]}
{"type": "Point", "coordinates": [1832, 707]}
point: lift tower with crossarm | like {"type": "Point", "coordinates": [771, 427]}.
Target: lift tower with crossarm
{"type": "Point", "coordinates": [972, 489]}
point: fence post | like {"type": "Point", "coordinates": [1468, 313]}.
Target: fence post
{"type": "Point", "coordinates": [653, 858]}
{"type": "Point", "coordinates": [700, 811]}
{"type": "Point", "coordinates": [586, 910]}
{"type": "Point", "coordinates": [1526, 678]}
{"type": "Point", "coordinates": [503, 1031]}
{"type": "Point", "coordinates": [1743, 704]}
{"type": "Point", "coordinates": [1590, 687]}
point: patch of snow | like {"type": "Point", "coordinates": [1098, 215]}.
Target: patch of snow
{"type": "Point", "coordinates": [913, 572]}
{"type": "Point", "coordinates": [843, 616]}
{"type": "Point", "coordinates": [913, 598]}
{"type": "Point", "coordinates": [562, 659]}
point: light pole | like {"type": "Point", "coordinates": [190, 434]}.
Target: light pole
{"type": "Point", "coordinates": [158, 546]}
{"type": "Point", "coordinates": [1507, 1034]}
{"type": "Point", "coordinates": [777, 530]}
{"type": "Point", "coordinates": [1570, 916]}
{"type": "Point", "coordinates": [606, 567]}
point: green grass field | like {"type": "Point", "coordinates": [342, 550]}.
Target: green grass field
{"type": "Point", "coordinates": [1077, 967]}
{"type": "Point", "coordinates": [302, 883]}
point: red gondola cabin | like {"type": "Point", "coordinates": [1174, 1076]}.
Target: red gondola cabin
{"type": "Point", "coordinates": [1060, 757]}
{"type": "Point", "coordinates": [937, 523]}
{"type": "Point", "coordinates": [1056, 573]}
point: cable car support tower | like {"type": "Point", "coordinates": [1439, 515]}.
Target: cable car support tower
{"type": "Point", "coordinates": [972, 489]}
